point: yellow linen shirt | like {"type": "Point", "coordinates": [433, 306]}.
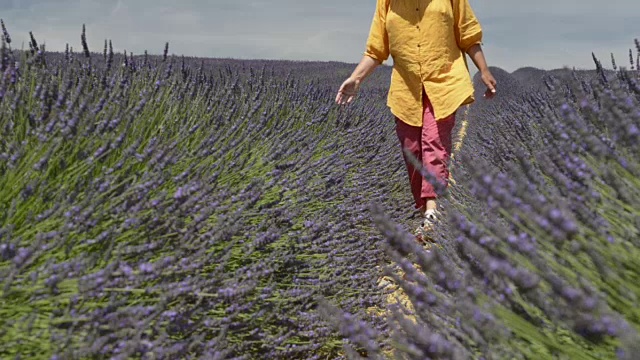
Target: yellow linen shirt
{"type": "Point", "coordinates": [428, 40]}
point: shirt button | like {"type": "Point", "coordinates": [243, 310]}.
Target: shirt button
{"type": "Point", "coordinates": [417, 9]}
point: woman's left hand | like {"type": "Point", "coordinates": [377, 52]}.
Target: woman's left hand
{"type": "Point", "coordinates": [490, 83]}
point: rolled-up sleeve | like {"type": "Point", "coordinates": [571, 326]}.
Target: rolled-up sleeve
{"type": "Point", "coordinates": [378, 41]}
{"type": "Point", "coordinates": [467, 27]}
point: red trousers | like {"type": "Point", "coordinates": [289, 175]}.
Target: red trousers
{"type": "Point", "coordinates": [430, 144]}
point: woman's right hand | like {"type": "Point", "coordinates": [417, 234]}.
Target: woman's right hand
{"type": "Point", "coordinates": [348, 91]}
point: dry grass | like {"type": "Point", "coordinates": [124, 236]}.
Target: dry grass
{"type": "Point", "coordinates": [460, 140]}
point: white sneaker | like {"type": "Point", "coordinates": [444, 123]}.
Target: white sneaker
{"type": "Point", "coordinates": [424, 231]}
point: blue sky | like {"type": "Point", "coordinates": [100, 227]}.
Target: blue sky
{"type": "Point", "coordinates": [546, 34]}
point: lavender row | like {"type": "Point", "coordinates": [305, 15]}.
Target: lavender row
{"type": "Point", "coordinates": [539, 252]}
{"type": "Point", "coordinates": [163, 206]}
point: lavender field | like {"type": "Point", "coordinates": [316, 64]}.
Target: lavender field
{"type": "Point", "coordinates": [171, 207]}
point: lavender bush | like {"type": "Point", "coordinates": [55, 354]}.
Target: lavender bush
{"type": "Point", "coordinates": [162, 207]}
{"type": "Point", "coordinates": [159, 207]}
{"type": "Point", "coordinates": [539, 256]}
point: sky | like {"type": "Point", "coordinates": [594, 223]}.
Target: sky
{"type": "Point", "coordinates": [546, 34]}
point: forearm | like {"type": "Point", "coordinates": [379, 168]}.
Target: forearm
{"type": "Point", "coordinates": [364, 68]}
{"type": "Point", "coordinates": [477, 56]}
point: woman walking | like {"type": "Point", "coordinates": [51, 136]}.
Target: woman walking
{"type": "Point", "coordinates": [430, 80]}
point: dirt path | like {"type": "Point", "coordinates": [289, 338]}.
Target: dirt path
{"type": "Point", "coordinates": [397, 295]}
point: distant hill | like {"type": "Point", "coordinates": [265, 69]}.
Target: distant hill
{"type": "Point", "coordinates": [532, 77]}
{"type": "Point", "coordinates": [507, 84]}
